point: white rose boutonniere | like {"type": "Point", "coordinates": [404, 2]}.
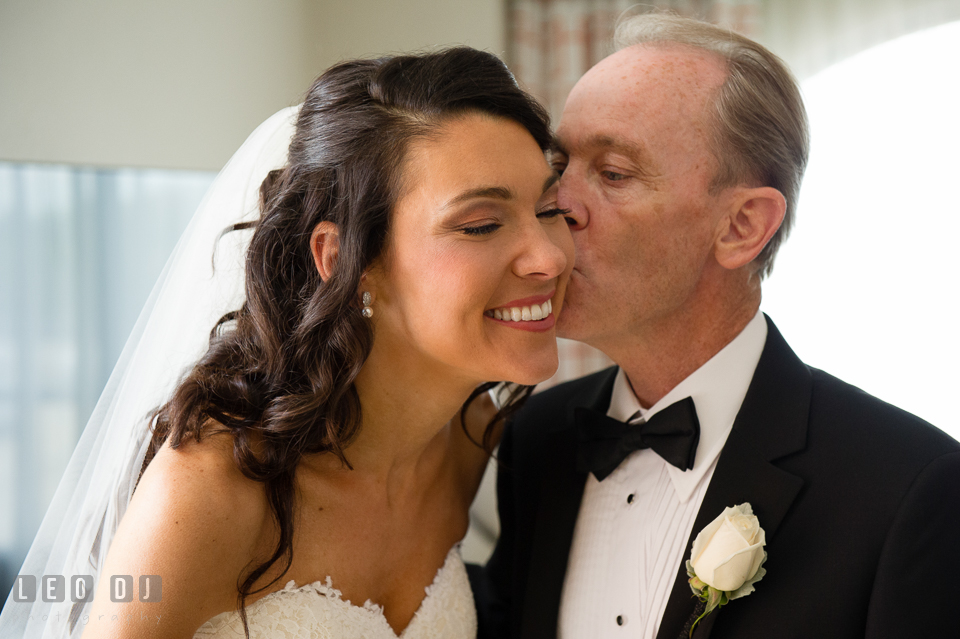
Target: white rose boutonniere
{"type": "Point", "coordinates": [727, 559]}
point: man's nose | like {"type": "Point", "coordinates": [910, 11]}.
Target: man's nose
{"type": "Point", "coordinates": [570, 197]}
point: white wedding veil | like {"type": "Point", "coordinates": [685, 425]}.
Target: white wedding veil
{"type": "Point", "coordinates": [173, 330]}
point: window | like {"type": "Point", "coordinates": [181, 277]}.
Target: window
{"type": "Point", "coordinates": [80, 250]}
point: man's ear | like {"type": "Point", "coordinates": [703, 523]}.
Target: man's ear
{"type": "Point", "coordinates": [755, 215]}
{"type": "Point", "coordinates": [325, 246]}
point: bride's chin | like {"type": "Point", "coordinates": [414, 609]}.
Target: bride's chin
{"type": "Point", "coordinates": [532, 375]}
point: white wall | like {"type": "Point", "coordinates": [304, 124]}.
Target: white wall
{"type": "Point", "coordinates": [180, 83]}
{"type": "Point", "coordinates": [358, 28]}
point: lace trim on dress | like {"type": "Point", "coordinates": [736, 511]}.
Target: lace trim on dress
{"type": "Point", "coordinates": [446, 612]}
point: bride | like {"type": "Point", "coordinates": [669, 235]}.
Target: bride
{"type": "Point", "coordinates": [307, 477]}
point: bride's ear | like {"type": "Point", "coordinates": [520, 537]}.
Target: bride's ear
{"type": "Point", "coordinates": [325, 246]}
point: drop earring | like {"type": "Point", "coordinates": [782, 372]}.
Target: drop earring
{"type": "Point", "coordinates": [367, 300]}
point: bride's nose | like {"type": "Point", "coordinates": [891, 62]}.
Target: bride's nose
{"type": "Point", "coordinates": [539, 255]}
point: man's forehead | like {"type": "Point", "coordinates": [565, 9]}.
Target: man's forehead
{"type": "Point", "coordinates": [669, 85]}
{"type": "Point", "coordinates": [663, 59]}
{"type": "Point", "coordinates": [669, 74]}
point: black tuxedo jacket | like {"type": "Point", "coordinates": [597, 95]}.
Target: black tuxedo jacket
{"type": "Point", "coordinates": [860, 502]}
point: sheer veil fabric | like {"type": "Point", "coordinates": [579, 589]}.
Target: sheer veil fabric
{"type": "Point", "coordinates": [202, 281]}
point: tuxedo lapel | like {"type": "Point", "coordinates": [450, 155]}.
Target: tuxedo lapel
{"type": "Point", "coordinates": [562, 491]}
{"type": "Point", "coordinates": [772, 423]}
{"type": "Point", "coordinates": [742, 475]}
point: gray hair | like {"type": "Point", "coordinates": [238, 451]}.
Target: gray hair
{"type": "Point", "coordinates": [761, 125]}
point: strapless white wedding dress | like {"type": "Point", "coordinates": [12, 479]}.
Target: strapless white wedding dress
{"type": "Point", "coordinates": [317, 611]}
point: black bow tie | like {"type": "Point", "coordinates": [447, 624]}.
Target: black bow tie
{"type": "Point", "coordinates": [605, 442]}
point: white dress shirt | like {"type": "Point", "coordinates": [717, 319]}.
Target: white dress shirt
{"type": "Point", "coordinates": [632, 529]}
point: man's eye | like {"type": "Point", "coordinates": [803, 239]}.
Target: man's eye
{"type": "Point", "coordinates": [485, 229]}
{"type": "Point", "coordinates": [613, 176]}
{"type": "Point", "coordinates": [558, 166]}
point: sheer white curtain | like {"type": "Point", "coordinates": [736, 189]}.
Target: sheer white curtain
{"type": "Point", "coordinates": [80, 250]}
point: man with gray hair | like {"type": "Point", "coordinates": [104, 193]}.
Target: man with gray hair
{"type": "Point", "coordinates": [825, 512]}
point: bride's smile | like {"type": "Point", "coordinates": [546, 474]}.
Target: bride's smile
{"type": "Point", "coordinates": [538, 309]}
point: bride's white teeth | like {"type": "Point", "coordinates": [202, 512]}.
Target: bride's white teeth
{"type": "Point", "coordinates": [532, 313]}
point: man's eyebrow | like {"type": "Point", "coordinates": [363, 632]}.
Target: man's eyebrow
{"type": "Point", "coordinates": [608, 142]}
{"type": "Point", "coordinates": [637, 153]}
{"type": "Point", "coordinates": [550, 181]}
{"type": "Point", "coordinates": [620, 145]}
{"type": "Point", "coordinates": [494, 192]}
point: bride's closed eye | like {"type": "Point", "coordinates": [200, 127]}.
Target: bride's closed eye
{"type": "Point", "coordinates": [552, 213]}
{"type": "Point", "coordinates": [483, 229]}
{"type": "Point", "coordinates": [486, 229]}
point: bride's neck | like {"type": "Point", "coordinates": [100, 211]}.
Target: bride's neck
{"type": "Point", "coordinates": [406, 403]}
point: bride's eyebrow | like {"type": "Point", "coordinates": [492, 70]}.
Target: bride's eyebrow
{"type": "Point", "coordinates": [483, 192]}
{"type": "Point", "coordinates": [493, 192]}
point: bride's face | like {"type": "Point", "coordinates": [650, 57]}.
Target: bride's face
{"type": "Point", "coordinates": [475, 234]}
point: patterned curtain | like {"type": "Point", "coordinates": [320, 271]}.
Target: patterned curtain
{"type": "Point", "coordinates": [551, 43]}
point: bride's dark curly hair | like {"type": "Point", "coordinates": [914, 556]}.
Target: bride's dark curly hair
{"type": "Point", "coordinates": [279, 373]}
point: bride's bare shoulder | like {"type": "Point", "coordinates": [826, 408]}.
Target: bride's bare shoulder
{"type": "Point", "coordinates": [202, 481]}
{"type": "Point", "coordinates": [197, 522]}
